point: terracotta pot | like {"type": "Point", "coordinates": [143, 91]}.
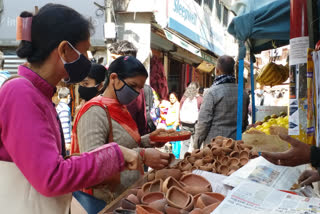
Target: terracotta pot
{"type": "Point", "coordinates": [228, 143]}
{"type": "Point", "coordinates": [133, 198]}
{"type": "Point", "coordinates": [199, 163]}
{"type": "Point", "coordinates": [218, 142]}
{"type": "Point", "coordinates": [169, 182]}
{"type": "Point", "coordinates": [146, 187]}
{"type": "Point", "coordinates": [187, 154]}
{"type": "Point", "coordinates": [244, 161]}
{"type": "Point", "coordinates": [177, 198]}
{"type": "Point", "coordinates": [234, 162]}
{"type": "Point", "coordinates": [254, 154]}
{"type": "Point", "coordinates": [190, 204]}
{"type": "Point", "coordinates": [171, 160]}
{"type": "Point", "coordinates": [197, 153]}
{"type": "Point", "coordinates": [128, 205]}
{"type": "Point", "coordinates": [140, 193]}
{"type": "Point", "coordinates": [151, 176]}
{"type": "Point", "coordinates": [204, 200]}
{"type": "Point", "coordinates": [244, 154]}
{"type": "Point", "coordinates": [224, 160]}
{"type": "Point", "coordinates": [235, 154]}
{"type": "Point", "coordinates": [143, 209]}
{"type": "Point", "coordinates": [156, 186]}
{"type": "Point", "coordinates": [195, 184]}
{"type": "Point", "coordinates": [240, 142]}
{"type": "Point", "coordinates": [151, 197]}
{"type": "Point", "coordinates": [185, 166]}
{"type": "Point", "coordinates": [207, 151]}
{"type": "Point", "coordinates": [208, 159]}
{"type": "Point", "coordinates": [216, 151]}
{"type": "Point", "coordinates": [191, 159]}
{"type": "Point", "coordinates": [209, 209]}
{"type": "Point", "coordinates": [196, 211]}
{"type": "Point", "coordinates": [159, 205]}
{"type": "Point", "coordinates": [226, 150]}
{"type": "Point", "coordinates": [123, 211]}
{"type": "Point", "coordinates": [223, 169]}
{"type": "Point", "coordinates": [164, 173]}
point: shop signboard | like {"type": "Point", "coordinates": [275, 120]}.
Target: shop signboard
{"type": "Point", "coordinates": [12, 9]}
{"type": "Point", "coordinates": [189, 19]}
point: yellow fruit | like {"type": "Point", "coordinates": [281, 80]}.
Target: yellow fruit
{"type": "Point", "coordinates": [259, 127]}
{"type": "Point", "coordinates": [266, 125]}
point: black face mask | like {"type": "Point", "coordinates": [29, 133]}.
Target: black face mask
{"type": "Point", "coordinates": [78, 69]}
{"type": "Point", "coordinates": [87, 93]}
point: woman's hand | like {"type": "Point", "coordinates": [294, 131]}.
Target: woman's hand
{"type": "Point", "coordinates": [156, 159]}
{"type": "Point", "coordinates": [308, 177]}
{"type": "Point", "coordinates": [131, 158]}
{"type": "Point", "coordinates": [297, 155]}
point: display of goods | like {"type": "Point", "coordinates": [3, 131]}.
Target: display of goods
{"type": "Point", "coordinates": [273, 125]}
{"type": "Point", "coordinates": [273, 74]}
{"type": "Point", "coordinates": [170, 135]}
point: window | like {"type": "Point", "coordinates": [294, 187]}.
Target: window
{"type": "Point", "coordinates": [208, 3]}
{"type": "Point", "coordinates": [225, 16]}
{"type": "Point", "coordinates": [218, 9]}
{"type": "Point", "coordinates": [198, 1]}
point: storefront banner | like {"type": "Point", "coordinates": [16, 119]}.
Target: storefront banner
{"type": "Point", "coordinates": [189, 19]}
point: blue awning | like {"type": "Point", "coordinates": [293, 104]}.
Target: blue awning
{"type": "Point", "coordinates": [263, 28]}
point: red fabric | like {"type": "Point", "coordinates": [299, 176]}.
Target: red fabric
{"type": "Point", "coordinates": [117, 112]}
{"type": "Point", "coordinates": [158, 80]}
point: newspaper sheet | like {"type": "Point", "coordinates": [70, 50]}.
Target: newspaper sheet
{"type": "Point", "coordinates": [216, 181]}
{"type": "Point", "coordinates": [253, 198]}
{"type": "Point", "coordinates": [262, 171]}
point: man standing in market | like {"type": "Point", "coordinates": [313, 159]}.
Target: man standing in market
{"type": "Point", "coordinates": [218, 112]}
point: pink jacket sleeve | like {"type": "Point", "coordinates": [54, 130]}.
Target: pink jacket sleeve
{"type": "Point", "coordinates": [28, 138]}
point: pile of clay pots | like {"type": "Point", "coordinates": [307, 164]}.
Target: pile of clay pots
{"type": "Point", "coordinates": [172, 192]}
{"type": "Point", "coordinates": [222, 156]}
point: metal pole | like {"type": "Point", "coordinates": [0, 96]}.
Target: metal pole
{"type": "Point", "coordinates": [240, 99]}
{"type": "Point", "coordinates": [108, 4]}
{"type": "Point", "coordinates": [252, 92]}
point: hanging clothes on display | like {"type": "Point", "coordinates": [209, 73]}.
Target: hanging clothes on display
{"type": "Point", "coordinates": [158, 80]}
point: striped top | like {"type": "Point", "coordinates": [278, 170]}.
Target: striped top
{"type": "Point", "coordinates": [63, 111]}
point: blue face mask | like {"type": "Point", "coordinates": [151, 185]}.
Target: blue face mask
{"type": "Point", "coordinates": [78, 69]}
{"type": "Point", "coordinates": [126, 94]}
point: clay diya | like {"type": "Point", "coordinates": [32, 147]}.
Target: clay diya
{"type": "Point", "coordinates": [177, 198]}
{"type": "Point", "coordinates": [254, 154]}
{"type": "Point", "coordinates": [151, 176]}
{"type": "Point", "coordinates": [156, 186]}
{"type": "Point", "coordinates": [151, 197]}
{"type": "Point", "coordinates": [133, 198]}
{"type": "Point", "coordinates": [208, 159]}
{"type": "Point", "coordinates": [143, 209]}
{"type": "Point", "coordinates": [196, 211]}
{"type": "Point", "coordinates": [140, 193]}
{"type": "Point", "coordinates": [203, 200]}
{"type": "Point", "coordinates": [195, 184]}
{"type": "Point", "coordinates": [244, 146]}
{"type": "Point", "coordinates": [191, 159]}
{"type": "Point", "coordinates": [244, 161]}
{"type": "Point", "coordinates": [224, 160]}
{"type": "Point", "coordinates": [164, 173]}
{"type": "Point", "coordinates": [197, 153]}
{"type": "Point", "coordinates": [185, 166]}
{"type": "Point", "coordinates": [235, 154]}
{"type": "Point", "coordinates": [223, 169]}
{"type": "Point", "coordinates": [244, 154]}
{"type": "Point", "coordinates": [230, 172]}
{"type": "Point", "coordinates": [234, 162]}
{"type": "Point", "coordinates": [169, 182]}
{"type": "Point", "coordinates": [187, 154]}
{"type": "Point", "coordinates": [199, 163]}
{"type": "Point", "coordinates": [123, 211]}
{"type": "Point", "coordinates": [159, 204]}
{"type": "Point", "coordinates": [146, 187]}
{"type": "Point", "coordinates": [216, 151]}
{"type": "Point", "coordinates": [209, 209]}
{"type": "Point", "coordinates": [206, 168]}
{"type": "Point", "coordinates": [207, 151]}
{"type": "Point", "coordinates": [128, 205]}
{"type": "Point", "coordinates": [173, 210]}
{"type": "Point", "coordinates": [229, 143]}
{"type": "Point", "coordinates": [226, 150]}
{"type": "Point", "coordinates": [190, 204]}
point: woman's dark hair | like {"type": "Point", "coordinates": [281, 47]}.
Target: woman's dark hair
{"type": "Point", "coordinates": [175, 94]}
{"type": "Point", "coordinates": [125, 67]}
{"type": "Point", "coordinates": [53, 24]}
{"type": "Point", "coordinates": [97, 72]}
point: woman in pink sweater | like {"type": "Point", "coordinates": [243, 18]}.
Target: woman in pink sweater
{"type": "Point", "coordinates": [54, 42]}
